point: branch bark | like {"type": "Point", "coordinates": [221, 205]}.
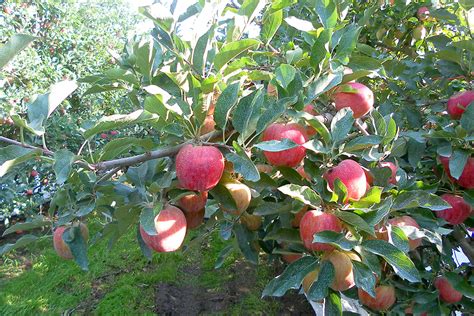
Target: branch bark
{"type": "Point", "coordinates": [14, 142]}
{"type": "Point", "coordinates": [464, 243]}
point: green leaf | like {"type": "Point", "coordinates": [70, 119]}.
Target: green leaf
{"type": "Point", "coordinates": [321, 129]}
{"type": "Point", "coordinates": [13, 155]}
{"type": "Point", "coordinates": [341, 124]}
{"type": "Point", "coordinates": [120, 146]}
{"type": "Point", "coordinates": [17, 43]}
{"type": "Point", "coordinates": [335, 239]}
{"type": "Point", "coordinates": [276, 145]}
{"type": "Point", "coordinates": [319, 288]}
{"type": "Point", "coordinates": [36, 222]}
{"type": "Point", "coordinates": [332, 304]}
{"type": "Point", "coordinates": [243, 164]}
{"type": "Point", "coordinates": [364, 277]}
{"type": "Point", "coordinates": [201, 50]}
{"type": "Point", "coordinates": [465, 44]}
{"type": "Point", "coordinates": [270, 208]}
{"type": "Point", "coordinates": [231, 50]}
{"type": "Point", "coordinates": [301, 193]}
{"type": "Point", "coordinates": [373, 196]}
{"type": "Point", "coordinates": [467, 118]}
{"type": "Point", "coordinates": [73, 238]}
{"type": "Point", "coordinates": [419, 198]}
{"type": "Point", "coordinates": [323, 84]}
{"type": "Point", "coordinates": [147, 218]}
{"type": "Point", "coordinates": [320, 49]}
{"type": "Point", "coordinates": [457, 162]}
{"type": "Point", "coordinates": [271, 23]}
{"type": "Point", "coordinates": [285, 74]}
{"type": "Point", "coordinates": [327, 12]}
{"type": "Point", "coordinates": [143, 247]}
{"type": "Point", "coordinates": [362, 142]}
{"type": "Point", "coordinates": [355, 221]}
{"type": "Point", "coordinates": [63, 160]}
{"type": "Point", "coordinates": [223, 254]}
{"type": "Point", "coordinates": [347, 42]}
{"type": "Point", "coordinates": [245, 240]}
{"type": "Point", "coordinates": [246, 114]}
{"type": "Point", "coordinates": [299, 24]}
{"type": "Point", "coordinates": [249, 8]}
{"type": "Point", "coordinates": [22, 242]}
{"type": "Point", "coordinates": [223, 196]}
{"type": "Point", "coordinates": [284, 235]}
{"type": "Point", "coordinates": [316, 146]}
{"type": "Point", "coordinates": [400, 262]}
{"type": "Point", "coordinates": [226, 101]}
{"type": "Point", "coordinates": [274, 111]}
{"type": "Point", "coordinates": [291, 278]}
{"type": "Point", "coordinates": [118, 121]}
{"type": "Point", "coordinates": [399, 239]}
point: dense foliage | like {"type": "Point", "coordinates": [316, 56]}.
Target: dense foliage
{"type": "Point", "coordinates": [366, 186]}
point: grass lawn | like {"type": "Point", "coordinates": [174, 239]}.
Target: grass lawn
{"type": "Point", "coordinates": [122, 281]}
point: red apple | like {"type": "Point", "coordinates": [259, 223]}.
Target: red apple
{"type": "Point", "coordinates": [361, 101]}
{"type": "Point", "coordinates": [62, 249]}
{"type": "Point", "coordinates": [314, 222]}
{"type": "Point", "coordinates": [352, 175]}
{"type": "Point", "coordinates": [208, 125]}
{"type": "Point", "coordinates": [104, 136]}
{"type": "Point", "coordinates": [193, 207]}
{"type": "Point", "coordinates": [29, 192]}
{"type": "Point", "coordinates": [458, 212]}
{"type": "Point", "coordinates": [384, 298]}
{"type": "Point", "coordinates": [393, 167]}
{"type": "Point", "coordinates": [466, 180]}
{"type": "Point", "coordinates": [170, 226]}
{"type": "Point", "coordinates": [423, 13]}
{"type": "Point", "coordinates": [114, 133]}
{"type": "Point", "coordinates": [458, 103]}
{"type": "Point", "coordinates": [404, 221]}
{"type": "Point", "coordinates": [34, 173]}
{"type": "Point", "coordinates": [298, 216]}
{"type": "Point", "coordinates": [199, 168]}
{"type": "Point", "coordinates": [290, 157]}
{"type": "Point", "coordinates": [446, 291]}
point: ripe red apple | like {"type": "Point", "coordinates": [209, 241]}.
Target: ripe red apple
{"type": "Point", "coordinates": [208, 125]}
{"type": "Point", "coordinates": [423, 13]}
{"type": "Point", "coordinates": [361, 101]}
{"type": "Point", "coordinates": [193, 207]}
{"type": "Point", "coordinates": [298, 216]}
{"type": "Point", "coordinates": [458, 212]}
{"type": "Point", "coordinates": [241, 195]}
{"type": "Point", "coordinates": [446, 291]}
{"type": "Point", "coordinates": [404, 221]}
{"type": "Point", "coordinates": [104, 136]}
{"type": "Point", "coordinates": [290, 157]}
{"type": "Point", "coordinates": [393, 167]}
{"type": "Point", "coordinates": [252, 222]}
{"type": "Point", "coordinates": [62, 249]}
{"type": "Point", "coordinates": [170, 225]}
{"type": "Point", "coordinates": [114, 133]}
{"type": "Point", "coordinates": [466, 180]}
{"type": "Point", "coordinates": [34, 173]}
{"type": "Point", "coordinates": [344, 276]}
{"type": "Point", "coordinates": [352, 175]}
{"type": "Point", "coordinates": [384, 298]}
{"type": "Point", "coordinates": [29, 192]}
{"type": "Point", "coordinates": [314, 222]}
{"type": "Point", "coordinates": [458, 103]}
{"type": "Point", "coordinates": [199, 168]}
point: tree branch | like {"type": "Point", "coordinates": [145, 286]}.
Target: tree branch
{"type": "Point", "coordinates": [14, 142]}
{"type": "Point", "coordinates": [465, 245]}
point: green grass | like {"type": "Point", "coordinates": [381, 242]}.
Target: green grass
{"type": "Point", "coordinates": [120, 281]}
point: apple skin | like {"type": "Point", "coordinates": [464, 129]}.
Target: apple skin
{"type": "Point", "coordinates": [170, 226]}
{"type": "Point", "coordinates": [193, 207]}
{"type": "Point", "coordinates": [298, 216]}
{"type": "Point", "coordinates": [466, 180]}
{"type": "Point", "coordinates": [446, 291]}
{"type": "Point", "coordinates": [406, 220]}
{"type": "Point", "coordinates": [458, 103]}
{"type": "Point", "coordinates": [62, 249]}
{"type": "Point", "coordinates": [272, 90]}
{"type": "Point", "coordinates": [34, 173]}
{"type": "Point", "coordinates": [393, 167]}
{"type": "Point", "coordinates": [423, 13]}
{"type": "Point", "coordinates": [458, 212]}
{"type": "Point", "coordinates": [241, 195]}
{"type": "Point", "coordinates": [114, 133]}
{"type": "Point", "coordinates": [314, 222]}
{"type": "Point", "coordinates": [252, 222]}
{"type": "Point", "coordinates": [290, 157]}
{"type": "Point", "coordinates": [361, 102]}
{"type": "Point", "coordinates": [290, 258]}
{"type": "Point", "coordinates": [199, 168]}
{"type": "Point", "coordinates": [104, 136]}
{"type": "Point", "coordinates": [352, 175]}
{"type": "Point", "coordinates": [208, 125]}
{"type": "Point", "coordinates": [344, 276]}
{"type": "Point", "coordinates": [384, 298]}
{"type": "Point", "coordinates": [29, 192]}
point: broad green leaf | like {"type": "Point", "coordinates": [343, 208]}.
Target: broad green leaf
{"type": "Point", "coordinates": [36, 222]}
{"type": "Point", "coordinates": [231, 50]}
{"type": "Point", "coordinates": [120, 146]}
{"type": "Point", "coordinates": [355, 221]}
{"type": "Point", "coordinates": [271, 23]}
{"type": "Point", "coordinates": [419, 198]}
{"type": "Point", "coordinates": [285, 74]}
{"type": "Point", "coordinates": [457, 162]}
{"type": "Point", "coordinates": [17, 43]}
{"type": "Point", "coordinates": [334, 238]}
{"type": "Point", "coordinates": [364, 277]}
{"type": "Point", "coordinates": [332, 304]}
{"type": "Point", "coordinates": [276, 145]}
{"type": "Point", "coordinates": [284, 235]}
{"type": "Point", "coordinates": [316, 146]}
{"type": "Point", "coordinates": [190, 11]}
{"type": "Point", "coordinates": [465, 44]}
{"type": "Point", "coordinates": [303, 194]}
{"type": "Point", "coordinates": [299, 24]}
{"type": "Point", "coordinates": [320, 49]}
{"type": "Point", "coordinates": [13, 155]}
{"type": "Point", "coordinates": [63, 160]}
{"type": "Point", "coordinates": [319, 288]}
{"type": "Point", "coordinates": [22, 242]}
{"type": "Point", "coordinates": [223, 196]}
{"type": "Point", "coordinates": [400, 262]}
{"type": "Point", "coordinates": [323, 84]}
{"type": "Point", "coordinates": [243, 164]}
{"type": "Point", "coordinates": [460, 284]}
{"type": "Point", "coordinates": [223, 254]}
{"type": "Point", "coordinates": [250, 9]}
{"type": "Point", "coordinates": [347, 42]}
{"type": "Point", "coordinates": [291, 278]}
{"type": "Point", "coordinates": [362, 142]}
{"type": "Point", "coordinates": [399, 239]}
{"type": "Point", "coordinates": [274, 111]}
{"type": "Point", "coordinates": [321, 129]}
{"type": "Point", "coordinates": [246, 114]}
{"type": "Point", "coordinates": [147, 218]}
{"type": "Point", "coordinates": [201, 50]}
{"type": "Point", "coordinates": [269, 208]}
{"type": "Point", "coordinates": [118, 121]}
{"type": "Point", "coordinates": [143, 247]}
{"type": "Point", "coordinates": [373, 196]}
{"type": "Point", "coordinates": [226, 101]}
{"type": "Point", "coordinates": [341, 124]}
{"type": "Point", "coordinates": [76, 243]}
{"type": "Point", "coordinates": [245, 240]}
{"type": "Point", "coordinates": [467, 119]}
{"type": "Point", "coordinates": [327, 12]}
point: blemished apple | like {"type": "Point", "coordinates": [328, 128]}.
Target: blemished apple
{"type": "Point", "coordinates": [352, 175]}
{"type": "Point", "coordinates": [393, 168]}
{"type": "Point", "coordinates": [458, 103]}
{"type": "Point", "coordinates": [315, 221]}
{"type": "Point", "coordinates": [447, 293]}
{"type": "Point", "coordinates": [344, 276]}
{"type": "Point", "coordinates": [289, 157]}
{"type": "Point", "coordinates": [62, 249]}
{"type": "Point", "coordinates": [170, 226]}
{"type": "Point", "coordinates": [466, 180]}
{"type": "Point", "coordinates": [199, 168]}
{"type": "Point", "coordinates": [459, 211]}
{"type": "Point", "coordinates": [384, 298]}
{"type": "Point", "coordinates": [360, 100]}
{"type": "Point", "coordinates": [241, 195]}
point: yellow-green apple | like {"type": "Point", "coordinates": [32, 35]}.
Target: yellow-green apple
{"type": "Point", "coordinates": [241, 195]}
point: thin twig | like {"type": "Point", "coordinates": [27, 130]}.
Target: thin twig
{"type": "Point", "coordinates": [360, 127]}
{"type": "Point", "coordinates": [14, 142]}
{"type": "Point", "coordinates": [465, 245]}
{"type": "Point", "coordinates": [109, 175]}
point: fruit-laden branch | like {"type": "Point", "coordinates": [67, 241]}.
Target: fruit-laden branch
{"type": "Point", "coordinates": [465, 245]}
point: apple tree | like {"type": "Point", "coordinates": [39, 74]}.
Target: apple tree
{"type": "Point", "coordinates": [333, 135]}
